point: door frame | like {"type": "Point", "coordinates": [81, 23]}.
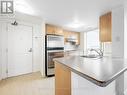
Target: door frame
{"type": "Point", "coordinates": [24, 19]}
{"type": "Point", "coordinates": [19, 23]}
{"type": "Point", "coordinates": [25, 24]}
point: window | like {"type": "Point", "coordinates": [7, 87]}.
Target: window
{"type": "Point", "coordinates": [92, 39]}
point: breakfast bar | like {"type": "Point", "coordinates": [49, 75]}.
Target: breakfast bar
{"type": "Point", "coordinates": [104, 73]}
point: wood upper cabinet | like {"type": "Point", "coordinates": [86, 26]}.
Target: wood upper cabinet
{"type": "Point", "coordinates": [50, 29]}
{"type": "Point", "coordinates": [54, 30]}
{"type": "Point", "coordinates": [106, 27]}
{"type": "Point", "coordinates": [68, 34]}
{"type": "Point", "coordinates": [59, 31]}
{"type": "Point", "coordinates": [77, 35]}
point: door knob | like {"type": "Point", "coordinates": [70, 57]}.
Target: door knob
{"type": "Point", "coordinates": [30, 50]}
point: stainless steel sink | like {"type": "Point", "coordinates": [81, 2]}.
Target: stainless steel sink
{"type": "Point", "coordinates": [91, 56]}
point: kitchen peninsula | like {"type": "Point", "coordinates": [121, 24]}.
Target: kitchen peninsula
{"type": "Point", "coordinates": [100, 71]}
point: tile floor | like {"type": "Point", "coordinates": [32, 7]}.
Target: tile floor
{"type": "Point", "coordinates": [30, 84]}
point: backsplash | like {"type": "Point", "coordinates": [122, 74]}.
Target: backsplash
{"type": "Point", "coordinates": [107, 48]}
{"type": "Point", "coordinates": [69, 46]}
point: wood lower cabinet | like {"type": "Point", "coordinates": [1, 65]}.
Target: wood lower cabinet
{"type": "Point", "coordinates": [62, 80]}
{"type": "Point", "coordinates": [106, 27]}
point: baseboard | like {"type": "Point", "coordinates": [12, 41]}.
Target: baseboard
{"type": "Point", "coordinates": [42, 74]}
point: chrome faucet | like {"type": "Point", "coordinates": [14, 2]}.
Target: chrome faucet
{"type": "Point", "coordinates": [100, 53]}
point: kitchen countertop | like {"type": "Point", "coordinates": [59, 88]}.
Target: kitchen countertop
{"type": "Point", "coordinates": [99, 71]}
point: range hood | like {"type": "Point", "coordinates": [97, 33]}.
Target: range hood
{"type": "Point", "coordinates": [72, 39]}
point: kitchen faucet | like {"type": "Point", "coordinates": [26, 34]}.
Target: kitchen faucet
{"type": "Point", "coordinates": [100, 53]}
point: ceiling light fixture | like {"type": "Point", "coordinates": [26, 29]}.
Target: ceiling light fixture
{"type": "Point", "coordinates": [76, 25]}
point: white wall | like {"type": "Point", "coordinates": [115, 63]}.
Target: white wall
{"type": "Point", "coordinates": [92, 39]}
{"type": "Point", "coordinates": [118, 32]}
{"type": "Point", "coordinates": [125, 44]}
{"type": "Point", "coordinates": [107, 48]}
{"type": "Point", "coordinates": [38, 37]}
{"type": "Point", "coordinates": [118, 43]}
{"type": "Point", "coordinates": [4, 45]}
{"type": "Point", "coordinates": [0, 51]}
{"type": "Point", "coordinates": [82, 38]}
{"type": "Point", "coordinates": [43, 50]}
{"type": "Point", "coordinates": [125, 30]}
{"type": "Point", "coordinates": [37, 48]}
{"type": "Point", "coordinates": [83, 41]}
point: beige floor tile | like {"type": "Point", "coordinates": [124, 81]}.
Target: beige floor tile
{"type": "Point", "coordinates": [30, 84]}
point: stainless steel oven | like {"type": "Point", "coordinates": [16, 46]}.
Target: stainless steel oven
{"type": "Point", "coordinates": [54, 49]}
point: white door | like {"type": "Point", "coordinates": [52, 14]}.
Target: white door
{"type": "Point", "coordinates": [19, 50]}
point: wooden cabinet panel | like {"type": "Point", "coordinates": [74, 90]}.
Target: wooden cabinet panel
{"type": "Point", "coordinates": [58, 31]}
{"type": "Point", "coordinates": [70, 33]}
{"type": "Point", "coordinates": [50, 29]}
{"type": "Point", "coordinates": [106, 28]}
{"type": "Point", "coordinates": [54, 30]}
{"type": "Point", "coordinates": [77, 35]}
{"type": "Point", "coordinates": [62, 80]}
{"type": "Point", "coordinates": [78, 38]}
{"type": "Point", "coordinates": [66, 35]}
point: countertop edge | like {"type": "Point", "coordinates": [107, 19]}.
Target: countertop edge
{"type": "Point", "coordinates": [93, 80]}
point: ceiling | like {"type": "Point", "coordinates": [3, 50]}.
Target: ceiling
{"type": "Point", "coordinates": [65, 13]}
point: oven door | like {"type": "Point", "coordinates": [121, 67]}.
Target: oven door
{"type": "Point", "coordinates": [50, 63]}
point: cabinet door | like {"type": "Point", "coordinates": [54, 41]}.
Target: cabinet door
{"type": "Point", "coordinates": [78, 38]}
{"type": "Point", "coordinates": [66, 35]}
{"type": "Point", "coordinates": [62, 80]}
{"type": "Point", "coordinates": [50, 29]}
{"type": "Point", "coordinates": [105, 28]}
{"type": "Point", "coordinates": [77, 34]}
{"type": "Point", "coordinates": [58, 31]}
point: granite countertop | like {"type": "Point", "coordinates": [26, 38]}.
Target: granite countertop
{"type": "Point", "coordinates": [99, 71]}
